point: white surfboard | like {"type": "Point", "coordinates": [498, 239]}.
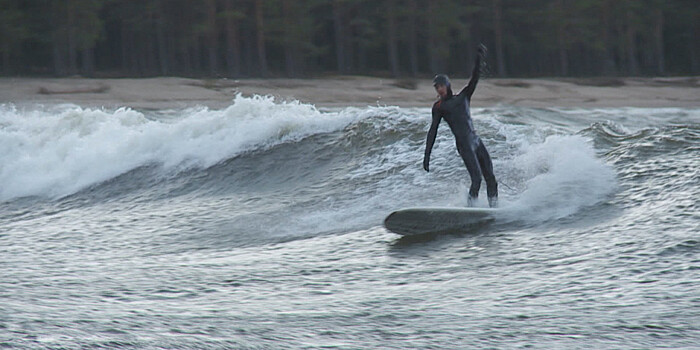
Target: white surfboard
{"type": "Point", "coordinates": [415, 221]}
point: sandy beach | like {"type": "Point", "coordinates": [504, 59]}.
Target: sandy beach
{"type": "Point", "coordinates": [359, 91]}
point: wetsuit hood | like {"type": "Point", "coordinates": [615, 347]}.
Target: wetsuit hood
{"type": "Point", "coordinates": [442, 79]}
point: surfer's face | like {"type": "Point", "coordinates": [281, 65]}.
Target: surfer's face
{"type": "Point", "coordinates": [441, 89]}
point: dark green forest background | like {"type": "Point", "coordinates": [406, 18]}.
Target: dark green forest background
{"type": "Point", "coordinates": [285, 38]}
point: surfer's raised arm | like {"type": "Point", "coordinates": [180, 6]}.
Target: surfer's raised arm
{"type": "Point", "coordinates": [469, 89]}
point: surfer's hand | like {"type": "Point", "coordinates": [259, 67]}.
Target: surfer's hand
{"type": "Point", "coordinates": [481, 49]}
{"type": "Point", "coordinates": [426, 165]}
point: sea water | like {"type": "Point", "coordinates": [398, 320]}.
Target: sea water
{"type": "Point", "coordinates": [259, 226]}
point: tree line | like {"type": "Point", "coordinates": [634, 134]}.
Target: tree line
{"type": "Point", "coordinates": [286, 38]}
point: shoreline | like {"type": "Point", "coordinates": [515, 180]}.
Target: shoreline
{"type": "Point", "coordinates": [352, 91]}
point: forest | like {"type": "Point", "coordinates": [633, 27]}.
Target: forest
{"type": "Point", "coordinates": [311, 38]}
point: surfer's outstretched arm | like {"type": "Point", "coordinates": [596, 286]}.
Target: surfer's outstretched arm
{"type": "Point", "coordinates": [469, 89]}
{"type": "Point", "coordinates": [432, 133]}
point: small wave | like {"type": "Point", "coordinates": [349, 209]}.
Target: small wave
{"type": "Point", "coordinates": [615, 132]}
{"type": "Point", "coordinates": [688, 247]}
{"type": "Point", "coordinates": [57, 151]}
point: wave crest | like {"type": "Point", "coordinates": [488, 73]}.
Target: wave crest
{"type": "Point", "coordinates": [59, 150]}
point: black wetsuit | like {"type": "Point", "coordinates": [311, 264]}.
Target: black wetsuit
{"type": "Point", "coordinates": [455, 110]}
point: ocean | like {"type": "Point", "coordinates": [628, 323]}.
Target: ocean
{"type": "Point", "coordinates": [259, 226]}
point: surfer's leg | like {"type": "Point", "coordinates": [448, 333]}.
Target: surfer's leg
{"type": "Point", "coordinates": [487, 170]}
{"type": "Point", "coordinates": [472, 164]}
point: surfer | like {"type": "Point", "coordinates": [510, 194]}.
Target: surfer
{"type": "Point", "coordinates": [455, 110]}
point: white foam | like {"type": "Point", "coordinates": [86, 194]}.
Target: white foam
{"type": "Point", "coordinates": [58, 151]}
{"type": "Point", "coordinates": [561, 175]}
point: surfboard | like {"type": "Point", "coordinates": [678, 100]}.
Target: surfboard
{"type": "Point", "coordinates": [415, 221]}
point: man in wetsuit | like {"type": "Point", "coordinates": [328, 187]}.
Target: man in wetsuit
{"type": "Point", "coordinates": [455, 110]}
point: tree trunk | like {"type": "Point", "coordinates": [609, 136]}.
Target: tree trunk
{"type": "Point", "coordinates": [349, 41]}
{"type": "Point", "coordinates": [72, 53]}
{"type": "Point", "coordinates": [123, 48]}
{"type": "Point", "coordinates": [233, 45]}
{"type": "Point", "coordinates": [250, 53]}
{"type": "Point", "coordinates": [163, 59]}
{"type": "Point", "coordinates": [620, 38]}
{"type": "Point", "coordinates": [630, 36]}
{"type": "Point", "coordinates": [432, 40]}
{"type": "Point", "coordinates": [260, 29]}
{"type": "Point", "coordinates": [659, 41]}
{"type": "Point", "coordinates": [58, 62]}
{"type": "Point", "coordinates": [609, 66]}
{"type": "Point", "coordinates": [693, 46]}
{"type": "Point", "coordinates": [561, 38]}
{"type": "Point", "coordinates": [151, 46]}
{"type": "Point", "coordinates": [290, 48]}
{"type": "Point", "coordinates": [498, 33]}
{"type": "Point", "coordinates": [212, 42]}
{"type": "Point", "coordinates": [72, 42]}
{"type": "Point", "coordinates": [6, 57]}
{"type": "Point", "coordinates": [412, 37]}
{"type": "Point", "coordinates": [339, 29]}
{"type": "Point", "coordinates": [196, 53]}
{"type": "Point", "coordinates": [88, 62]}
{"type": "Point", "coordinates": [392, 45]}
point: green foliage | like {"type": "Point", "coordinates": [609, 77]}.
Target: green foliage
{"type": "Point", "coordinates": [77, 20]}
{"type": "Point", "coordinates": [399, 37]}
{"type": "Point", "coordinates": [13, 26]}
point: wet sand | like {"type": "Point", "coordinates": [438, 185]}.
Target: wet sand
{"type": "Point", "coordinates": [359, 91]}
